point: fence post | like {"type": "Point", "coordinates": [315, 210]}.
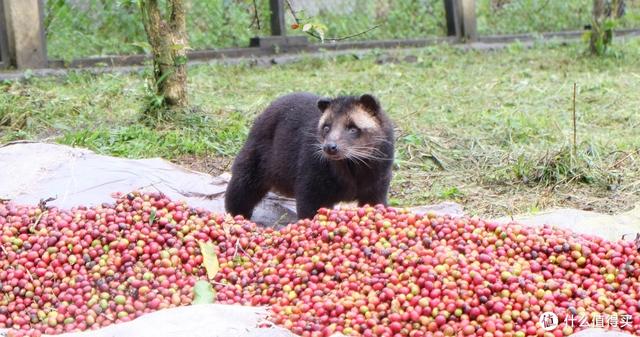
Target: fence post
{"type": "Point", "coordinates": [277, 18]}
{"type": "Point", "coordinates": [461, 19]}
{"type": "Point", "coordinates": [23, 20]}
{"type": "Point", "coordinates": [279, 38]}
{"type": "Point", "coordinates": [451, 16]}
{"type": "Point", "coordinates": [468, 20]}
{"type": "Point", "coordinates": [4, 47]}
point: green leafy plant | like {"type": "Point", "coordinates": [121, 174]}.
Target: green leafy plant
{"type": "Point", "coordinates": [314, 27]}
{"type": "Point", "coordinates": [600, 36]}
{"type": "Point", "coordinates": [604, 20]}
{"type": "Point", "coordinates": [451, 193]}
{"type": "Point", "coordinates": [203, 293]}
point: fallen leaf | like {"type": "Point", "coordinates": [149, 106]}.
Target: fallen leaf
{"type": "Point", "coordinates": [209, 258]}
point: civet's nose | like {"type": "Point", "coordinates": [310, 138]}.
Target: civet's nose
{"type": "Point", "coordinates": [330, 148]}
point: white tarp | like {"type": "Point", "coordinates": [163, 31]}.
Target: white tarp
{"type": "Point", "coordinates": [610, 227]}
{"type": "Point", "coordinates": [203, 320]}
{"type": "Point", "coordinates": [30, 172]}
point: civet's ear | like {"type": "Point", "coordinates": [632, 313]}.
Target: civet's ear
{"type": "Point", "coordinates": [323, 104]}
{"type": "Point", "coordinates": [370, 103]}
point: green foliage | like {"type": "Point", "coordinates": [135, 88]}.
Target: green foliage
{"type": "Point", "coordinates": [93, 27]}
{"type": "Point", "coordinates": [155, 110]}
{"type": "Point", "coordinates": [98, 27]}
{"type": "Point", "coordinates": [215, 137]}
{"type": "Point", "coordinates": [225, 23]}
{"type": "Point", "coordinates": [313, 28]}
{"type": "Point", "coordinates": [631, 18]}
{"type": "Point", "coordinates": [526, 16]}
{"type": "Point", "coordinates": [600, 36]}
{"type": "Point", "coordinates": [105, 27]}
{"type": "Point", "coordinates": [81, 28]}
{"type": "Point", "coordinates": [529, 16]}
{"type": "Point", "coordinates": [397, 19]}
{"type": "Point", "coordinates": [451, 193]}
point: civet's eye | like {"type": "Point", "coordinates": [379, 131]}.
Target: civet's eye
{"type": "Point", "coordinates": [326, 128]}
{"type": "Point", "coordinates": [353, 129]}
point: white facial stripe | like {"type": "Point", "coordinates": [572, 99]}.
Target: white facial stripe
{"type": "Point", "coordinates": [323, 119]}
{"type": "Point", "coordinates": [364, 120]}
{"type": "Point", "coordinates": [334, 135]}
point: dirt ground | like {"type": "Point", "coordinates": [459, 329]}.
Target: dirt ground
{"type": "Point", "coordinates": [488, 201]}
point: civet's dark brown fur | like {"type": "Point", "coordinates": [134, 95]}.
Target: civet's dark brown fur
{"type": "Point", "coordinates": [319, 151]}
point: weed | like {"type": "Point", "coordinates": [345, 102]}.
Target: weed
{"type": "Point", "coordinates": [451, 193]}
{"type": "Point", "coordinates": [561, 166]}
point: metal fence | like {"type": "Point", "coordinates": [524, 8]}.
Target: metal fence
{"type": "Point", "coordinates": [99, 29]}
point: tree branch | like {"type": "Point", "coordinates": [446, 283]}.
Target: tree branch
{"type": "Point", "coordinates": [256, 16]}
{"type": "Point", "coordinates": [333, 39]}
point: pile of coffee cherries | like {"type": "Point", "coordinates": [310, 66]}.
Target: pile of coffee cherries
{"type": "Point", "coordinates": [370, 271]}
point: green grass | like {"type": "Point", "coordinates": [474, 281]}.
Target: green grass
{"type": "Point", "coordinates": [528, 16]}
{"type": "Point", "coordinates": [490, 129]}
{"type": "Point", "coordinates": [97, 27]}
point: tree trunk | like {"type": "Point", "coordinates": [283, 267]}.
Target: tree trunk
{"type": "Point", "coordinates": [168, 40]}
{"type": "Point", "coordinates": [597, 16]}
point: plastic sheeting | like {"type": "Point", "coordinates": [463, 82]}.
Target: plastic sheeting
{"type": "Point", "coordinates": [30, 172]}
{"type": "Point", "coordinates": [606, 226]}
{"type": "Point", "coordinates": [593, 332]}
{"type": "Point", "coordinates": [204, 320]}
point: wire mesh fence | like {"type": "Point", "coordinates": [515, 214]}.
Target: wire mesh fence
{"type": "Point", "coordinates": [535, 16]}
{"type": "Point", "coordinates": [81, 28]}
{"type": "Point", "coordinates": [84, 28]}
